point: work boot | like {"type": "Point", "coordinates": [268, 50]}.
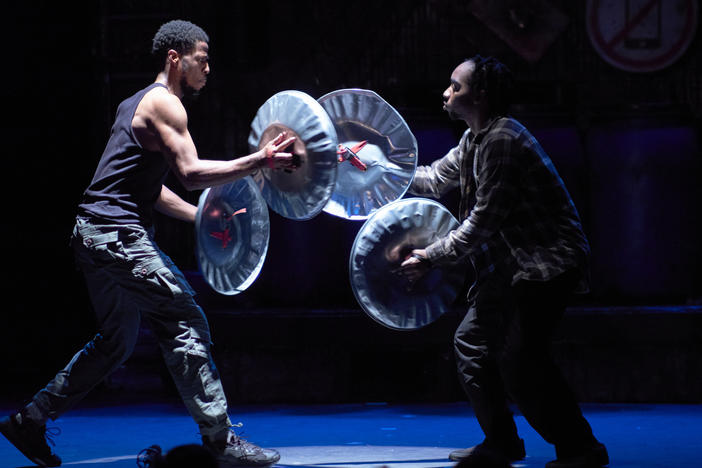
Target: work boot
{"type": "Point", "coordinates": [235, 451]}
{"type": "Point", "coordinates": [30, 438]}
{"type": "Point", "coordinates": [515, 451]}
{"type": "Point", "coordinates": [594, 457]}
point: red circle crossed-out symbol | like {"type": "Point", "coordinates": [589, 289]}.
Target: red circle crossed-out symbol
{"type": "Point", "coordinates": [611, 47]}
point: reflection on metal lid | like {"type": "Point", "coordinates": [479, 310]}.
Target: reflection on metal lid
{"type": "Point", "coordinates": [388, 237]}
{"type": "Point", "coordinates": [232, 230]}
{"type": "Point", "coordinates": [303, 193]}
{"type": "Point", "coordinates": [386, 147]}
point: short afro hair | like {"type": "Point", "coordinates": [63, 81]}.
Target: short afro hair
{"type": "Point", "coordinates": [178, 35]}
{"type": "Point", "coordinates": [496, 80]}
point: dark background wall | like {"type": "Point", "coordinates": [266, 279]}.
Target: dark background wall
{"type": "Point", "coordinates": [627, 145]}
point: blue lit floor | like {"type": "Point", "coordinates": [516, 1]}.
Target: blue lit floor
{"type": "Point", "coordinates": [365, 435]}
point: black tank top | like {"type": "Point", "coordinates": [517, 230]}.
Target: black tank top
{"type": "Point", "coordinates": [128, 178]}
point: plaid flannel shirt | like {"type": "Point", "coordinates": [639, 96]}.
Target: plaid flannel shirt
{"type": "Point", "coordinates": [515, 212]}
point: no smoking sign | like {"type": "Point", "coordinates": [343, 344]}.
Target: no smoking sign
{"type": "Point", "coordinates": [641, 35]}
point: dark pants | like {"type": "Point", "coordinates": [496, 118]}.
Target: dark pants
{"type": "Point", "coordinates": [503, 348]}
{"type": "Point", "coordinates": [129, 278]}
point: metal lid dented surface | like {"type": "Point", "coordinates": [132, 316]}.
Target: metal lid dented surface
{"type": "Point", "coordinates": [303, 193]}
{"type": "Point", "coordinates": [388, 237]}
{"type": "Point", "coordinates": [385, 146]}
{"type": "Point", "coordinates": [232, 230]}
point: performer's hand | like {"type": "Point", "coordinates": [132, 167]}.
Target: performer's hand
{"type": "Point", "coordinates": [274, 157]}
{"type": "Point", "coordinates": [415, 266]}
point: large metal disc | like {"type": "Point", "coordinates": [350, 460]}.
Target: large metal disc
{"type": "Point", "coordinates": [386, 238]}
{"type": "Point", "coordinates": [390, 154]}
{"type": "Point", "coordinates": [303, 193]}
{"type": "Point", "coordinates": [232, 230]}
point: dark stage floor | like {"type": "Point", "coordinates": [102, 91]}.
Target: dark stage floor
{"type": "Point", "coordinates": [365, 435]}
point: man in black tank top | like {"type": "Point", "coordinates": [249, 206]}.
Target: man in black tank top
{"type": "Point", "coordinates": [128, 277]}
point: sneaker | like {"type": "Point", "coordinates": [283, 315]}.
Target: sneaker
{"type": "Point", "coordinates": [150, 457]}
{"type": "Point", "coordinates": [481, 457]}
{"type": "Point", "coordinates": [30, 438]}
{"type": "Point", "coordinates": [513, 453]}
{"type": "Point", "coordinates": [596, 457]}
{"type": "Point", "coordinates": [236, 451]}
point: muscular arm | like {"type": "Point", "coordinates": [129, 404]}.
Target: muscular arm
{"type": "Point", "coordinates": [171, 204]}
{"type": "Point", "coordinates": [166, 130]}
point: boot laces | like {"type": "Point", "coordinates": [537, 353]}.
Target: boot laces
{"type": "Point", "coordinates": [237, 440]}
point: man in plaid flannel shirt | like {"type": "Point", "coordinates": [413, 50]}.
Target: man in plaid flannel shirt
{"type": "Point", "coordinates": [522, 234]}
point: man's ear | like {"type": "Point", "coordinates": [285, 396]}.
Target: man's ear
{"type": "Point", "coordinates": [173, 57]}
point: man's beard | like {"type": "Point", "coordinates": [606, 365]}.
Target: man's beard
{"type": "Point", "coordinates": [188, 91]}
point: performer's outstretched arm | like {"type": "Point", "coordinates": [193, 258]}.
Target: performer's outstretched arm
{"type": "Point", "coordinates": [443, 174]}
{"type": "Point", "coordinates": [162, 125]}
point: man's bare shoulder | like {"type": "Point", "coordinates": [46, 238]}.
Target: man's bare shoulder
{"type": "Point", "coordinates": [159, 107]}
{"type": "Point", "coordinates": [159, 113]}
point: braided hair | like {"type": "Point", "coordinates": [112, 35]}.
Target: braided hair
{"type": "Point", "coordinates": [495, 79]}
